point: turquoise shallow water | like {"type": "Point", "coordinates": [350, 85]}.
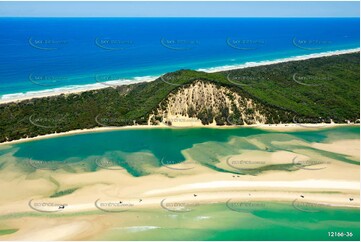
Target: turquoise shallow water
{"type": "Point", "coordinates": [264, 222]}
{"type": "Point", "coordinates": [161, 142]}
{"type": "Point", "coordinates": [271, 221]}
{"type": "Point", "coordinates": [132, 149]}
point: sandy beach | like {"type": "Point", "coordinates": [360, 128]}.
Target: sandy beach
{"type": "Point", "coordinates": [211, 187]}
{"type": "Point", "coordinates": [296, 58]}
{"type": "Point", "coordinates": [217, 101]}
{"type": "Point", "coordinates": [91, 198]}
{"type": "Point", "coordinates": [18, 97]}
{"type": "Point", "coordinates": [183, 124]}
{"type": "Point", "coordinates": [93, 204]}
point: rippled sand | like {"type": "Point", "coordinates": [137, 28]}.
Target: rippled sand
{"type": "Point", "coordinates": [275, 167]}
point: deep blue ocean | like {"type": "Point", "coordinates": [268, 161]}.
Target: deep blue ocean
{"type": "Point", "coordinates": [46, 53]}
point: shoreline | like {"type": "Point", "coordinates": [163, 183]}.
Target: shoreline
{"type": "Point", "coordinates": [76, 89]}
{"type": "Point", "coordinates": [18, 97]}
{"type": "Point", "coordinates": [281, 60]}
{"type": "Point", "coordinates": [97, 193]}
{"type": "Point", "coordinates": [237, 202]}
{"type": "Point", "coordinates": [273, 127]}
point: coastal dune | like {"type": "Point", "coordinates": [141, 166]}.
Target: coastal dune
{"type": "Point", "coordinates": [307, 167]}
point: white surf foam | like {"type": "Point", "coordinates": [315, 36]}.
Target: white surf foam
{"type": "Point", "coordinates": [112, 83]}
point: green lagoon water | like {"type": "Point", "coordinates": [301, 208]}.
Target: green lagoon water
{"type": "Point", "coordinates": [141, 152]}
{"type": "Point", "coordinates": [138, 151]}
{"type": "Point", "coordinates": [272, 221]}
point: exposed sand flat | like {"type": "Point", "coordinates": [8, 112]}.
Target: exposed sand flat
{"type": "Point", "coordinates": [119, 185]}
{"type": "Point", "coordinates": [153, 189]}
{"type": "Point", "coordinates": [42, 230]}
{"type": "Point", "coordinates": [297, 127]}
{"type": "Point", "coordinates": [350, 147]}
{"type": "Point", "coordinates": [253, 159]}
{"type": "Point", "coordinates": [266, 185]}
{"type": "Point", "coordinates": [334, 183]}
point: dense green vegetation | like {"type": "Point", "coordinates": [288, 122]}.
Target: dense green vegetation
{"type": "Point", "coordinates": [312, 90]}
